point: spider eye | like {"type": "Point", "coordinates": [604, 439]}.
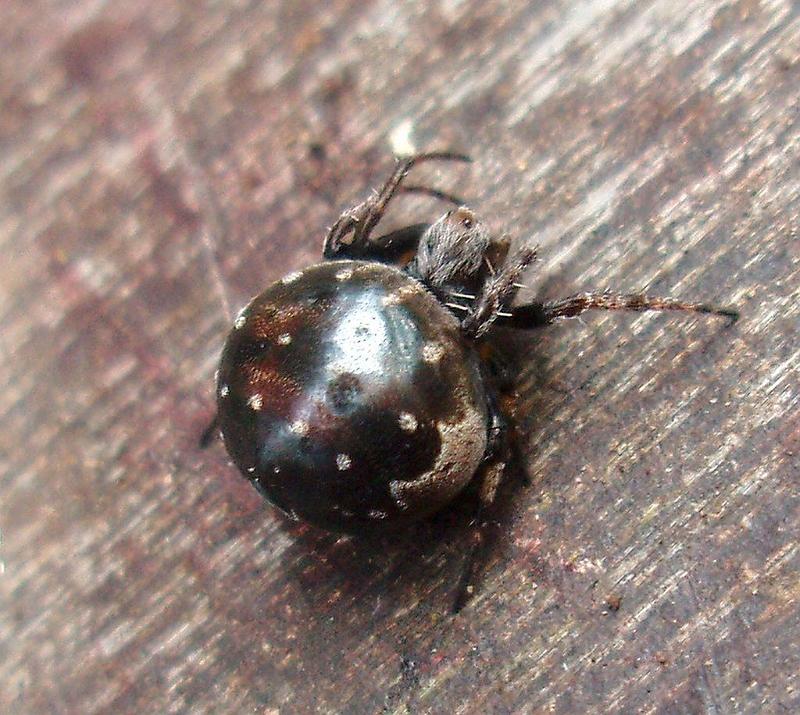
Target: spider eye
{"type": "Point", "coordinates": [465, 217]}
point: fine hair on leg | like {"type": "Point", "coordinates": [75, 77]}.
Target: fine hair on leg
{"type": "Point", "coordinates": [535, 315]}
{"type": "Point", "coordinates": [497, 292]}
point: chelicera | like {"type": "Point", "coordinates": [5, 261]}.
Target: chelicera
{"type": "Point", "coordinates": [352, 393]}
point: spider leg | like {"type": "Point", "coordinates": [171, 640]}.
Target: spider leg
{"type": "Point", "coordinates": [209, 432]}
{"type": "Point", "coordinates": [497, 292]}
{"type": "Point", "coordinates": [536, 315]}
{"type": "Point", "coordinates": [491, 474]}
{"type": "Point", "coordinates": [389, 248]}
{"type": "Point", "coordinates": [433, 193]}
{"type": "Point", "coordinates": [358, 222]}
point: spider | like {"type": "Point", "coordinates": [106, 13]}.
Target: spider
{"type": "Point", "coordinates": [352, 394]}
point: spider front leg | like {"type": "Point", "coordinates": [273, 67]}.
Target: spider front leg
{"type": "Point", "coordinates": [350, 235]}
{"type": "Point", "coordinates": [498, 291]}
{"type": "Point", "coordinates": [536, 315]}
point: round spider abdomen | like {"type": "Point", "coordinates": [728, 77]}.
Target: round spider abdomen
{"type": "Point", "coordinates": [348, 396]}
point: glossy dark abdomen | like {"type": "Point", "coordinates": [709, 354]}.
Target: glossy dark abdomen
{"type": "Point", "coordinates": [348, 396]}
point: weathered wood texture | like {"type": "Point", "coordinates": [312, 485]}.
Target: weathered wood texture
{"type": "Point", "coordinates": [161, 161]}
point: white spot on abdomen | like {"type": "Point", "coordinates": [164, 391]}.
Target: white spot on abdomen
{"type": "Point", "coordinates": [408, 423]}
{"type": "Point", "coordinates": [291, 278]}
{"type": "Point", "coordinates": [299, 427]}
{"type": "Point", "coordinates": [343, 462]}
{"type": "Point", "coordinates": [241, 319]}
{"type": "Point", "coordinates": [432, 352]}
{"type": "Point", "coordinates": [401, 294]}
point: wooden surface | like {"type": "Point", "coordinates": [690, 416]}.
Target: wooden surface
{"type": "Point", "coordinates": [160, 162]}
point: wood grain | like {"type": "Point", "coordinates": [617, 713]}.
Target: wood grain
{"type": "Point", "coordinates": [161, 161]}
